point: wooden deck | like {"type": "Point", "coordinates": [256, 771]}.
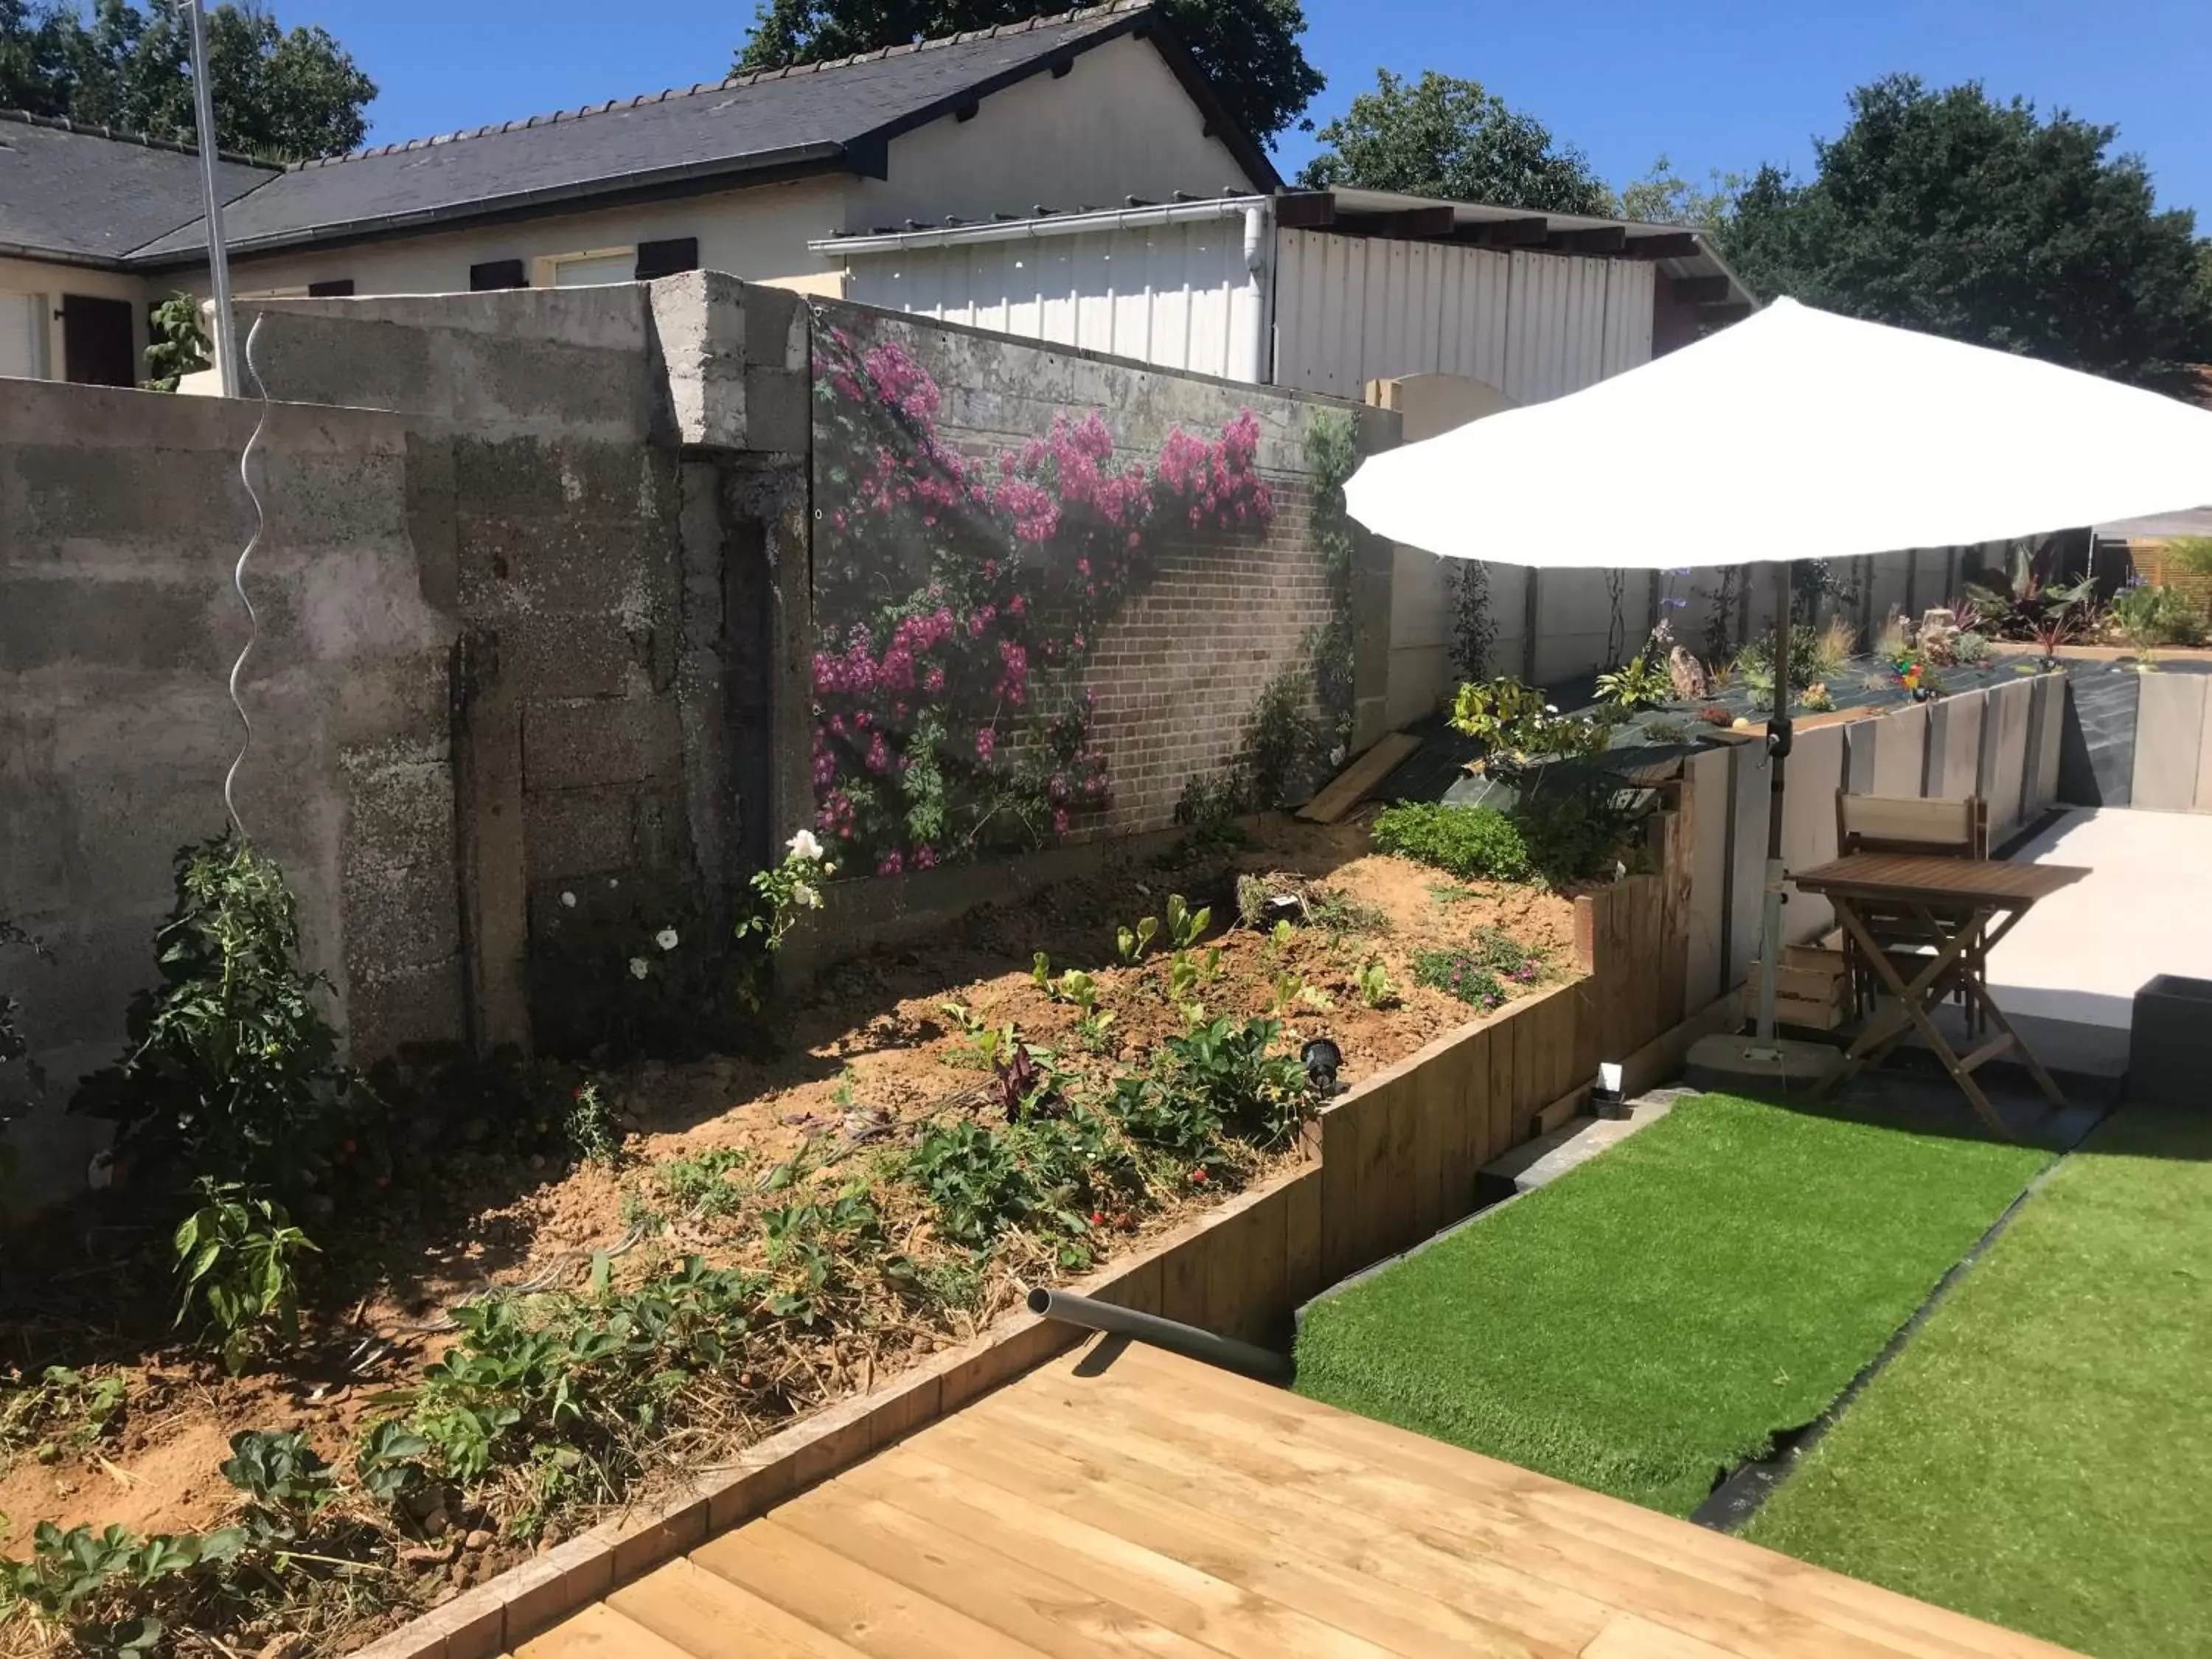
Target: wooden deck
{"type": "Point", "coordinates": [1121, 1501]}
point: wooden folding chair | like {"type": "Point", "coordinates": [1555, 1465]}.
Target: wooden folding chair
{"type": "Point", "coordinates": [1922, 828]}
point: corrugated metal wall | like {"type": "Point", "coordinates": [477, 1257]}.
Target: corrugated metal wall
{"type": "Point", "coordinates": [1351, 309]}
{"type": "Point", "coordinates": [1176, 295]}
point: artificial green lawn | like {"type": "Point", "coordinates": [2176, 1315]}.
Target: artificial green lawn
{"type": "Point", "coordinates": [2039, 1455]}
{"type": "Point", "coordinates": [1657, 1315]}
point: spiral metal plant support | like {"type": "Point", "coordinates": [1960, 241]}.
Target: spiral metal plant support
{"type": "Point", "coordinates": [238, 581]}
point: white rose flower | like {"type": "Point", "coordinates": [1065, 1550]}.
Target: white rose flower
{"type": "Point", "coordinates": [804, 846]}
{"type": "Point", "coordinates": [612, 882]}
{"type": "Point", "coordinates": [805, 896]}
{"type": "Point", "coordinates": [638, 967]}
{"type": "Point", "coordinates": [568, 901]}
{"type": "Point", "coordinates": [666, 939]}
{"type": "Point", "coordinates": [1550, 709]}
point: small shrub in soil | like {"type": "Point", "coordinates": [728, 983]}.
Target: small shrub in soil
{"type": "Point", "coordinates": [1479, 843]}
{"type": "Point", "coordinates": [232, 1070]}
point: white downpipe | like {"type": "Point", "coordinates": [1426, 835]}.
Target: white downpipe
{"type": "Point", "coordinates": [1249, 357]}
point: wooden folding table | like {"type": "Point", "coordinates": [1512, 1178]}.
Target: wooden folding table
{"type": "Point", "coordinates": [1962, 907]}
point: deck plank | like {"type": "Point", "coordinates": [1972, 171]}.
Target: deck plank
{"type": "Point", "coordinates": [1152, 1506]}
{"type": "Point", "coordinates": [707, 1615]}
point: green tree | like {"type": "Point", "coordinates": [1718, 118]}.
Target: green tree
{"type": "Point", "coordinates": [1663, 196]}
{"type": "Point", "coordinates": [288, 95]}
{"type": "Point", "coordinates": [1949, 212]}
{"type": "Point", "coordinates": [1444, 137]}
{"type": "Point", "coordinates": [1249, 48]}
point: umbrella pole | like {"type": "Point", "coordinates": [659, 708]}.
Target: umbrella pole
{"type": "Point", "coordinates": [1778, 752]}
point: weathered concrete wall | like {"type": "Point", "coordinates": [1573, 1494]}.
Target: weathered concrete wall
{"type": "Point", "coordinates": [589, 463]}
{"type": "Point", "coordinates": [121, 516]}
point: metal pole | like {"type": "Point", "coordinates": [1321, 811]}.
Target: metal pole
{"type": "Point", "coordinates": [1778, 752]}
{"type": "Point", "coordinates": [226, 335]}
{"type": "Point", "coordinates": [1188, 1340]}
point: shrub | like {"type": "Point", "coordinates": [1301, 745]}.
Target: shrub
{"type": "Point", "coordinates": [232, 1071]}
{"type": "Point", "coordinates": [2146, 616]}
{"type": "Point", "coordinates": [1570, 835]}
{"type": "Point", "coordinates": [1476, 843]}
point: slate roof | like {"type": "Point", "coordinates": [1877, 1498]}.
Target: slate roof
{"type": "Point", "coordinates": [835, 116]}
{"type": "Point", "coordinates": [85, 195]}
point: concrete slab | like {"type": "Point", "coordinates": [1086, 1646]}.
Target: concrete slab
{"type": "Point", "coordinates": [1541, 1162]}
{"type": "Point", "coordinates": [2080, 956]}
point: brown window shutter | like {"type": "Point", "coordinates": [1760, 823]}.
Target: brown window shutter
{"type": "Point", "coordinates": [338, 288]}
{"type": "Point", "coordinates": [666, 258]}
{"type": "Point", "coordinates": [497, 273]}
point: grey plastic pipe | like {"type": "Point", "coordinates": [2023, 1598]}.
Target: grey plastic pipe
{"type": "Point", "coordinates": [1263, 1364]}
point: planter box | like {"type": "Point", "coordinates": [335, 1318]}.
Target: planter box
{"type": "Point", "coordinates": [2170, 1043]}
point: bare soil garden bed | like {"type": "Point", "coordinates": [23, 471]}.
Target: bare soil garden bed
{"type": "Point", "coordinates": [860, 1184]}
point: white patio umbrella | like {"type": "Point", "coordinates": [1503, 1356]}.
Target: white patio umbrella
{"type": "Point", "coordinates": [1823, 438]}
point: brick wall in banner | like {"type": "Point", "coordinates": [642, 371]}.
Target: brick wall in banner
{"type": "Point", "coordinates": [1177, 673]}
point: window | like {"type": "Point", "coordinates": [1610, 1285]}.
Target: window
{"type": "Point", "coordinates": [338, 288]}
{"type": "Point", "coordinates": [590, 269]}
{"type": "Point", "coordinates": [496, 274]}
{"type": "Point", "coordinates": [666, 258]}
{"type": "Point", "coordinates": [98, 347]}
{"type": "Point", "coordinates": [23, 337]}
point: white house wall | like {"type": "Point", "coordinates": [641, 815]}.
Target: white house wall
{"type": "Point", "coordinates": [759, 233]}
{"type": "Point", "coordinates": [1117, 125]}
{"type": "Point", "coordinates": [31, 292]}
{"type": "Point", "coordinates": [1176, 295]}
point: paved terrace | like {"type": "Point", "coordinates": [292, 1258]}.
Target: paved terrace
{"type": "Point", "coordinates": [2074, 964]}
{"type": "Point", "coordinates": [1121, 1501]}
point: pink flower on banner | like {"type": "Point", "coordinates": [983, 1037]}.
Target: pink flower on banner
{"type": "Point", "coordinates": [925, 857]}
{"type": "Point", "coordinates": [987, 743]}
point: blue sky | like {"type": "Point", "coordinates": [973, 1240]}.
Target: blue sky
{"type": "Point", "coordinates": [1711, 83]}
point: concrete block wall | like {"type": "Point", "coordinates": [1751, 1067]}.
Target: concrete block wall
{"type": "Point", "coordinates": [612, 477]}
{"type": "Point", "coordinates": [121, 518]}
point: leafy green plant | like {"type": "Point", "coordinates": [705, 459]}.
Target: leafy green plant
{"type": "Point", "coordinates": [1461, 974]}
{"type": "Point", "coordinates": [65, 1407]}
{"type": "Point", "coordinates": [1519, 728]}
{"type": "Point", "coordinates": [175, 345]}
{"type": "Point", "coordinates": [1130, 944]}
{"type": "Point", "coordinates": [236, 1257]}
{"type": "Point", "coordinates": [1816, 700]}
{"type": "Point", "coordinates": [1571, 835]}
{"type": "Point", "coordinates": [2147, 617]}
{"type": "Point", "coordinates": [388, 1463]}
{"type": "Point", "coordinates": [1042, 1177]}
{"type": "Point", "coordinates": [1969, 649]}
{"type": "Point", "coordinates": [1373, 982]}
{"type": "Point", "coordinates": [95, 1585]}
{"type": "Point", "coordinates": [670, 967]}
{"type": "Point", "coordinates": [982, 1045]}
{"type": "Point", "coordinates": [1210, 799]}
{"type": "Point", "coordinates": [1185, 925]}
{"type": "Point", "coordinates": [1475, 842]}
{"type": "Point", "coordinates": [281, 1472]}
{"type": "Point", "coordinates": [1259, 1095]}
{"type": "Point", "coordinates": [701, 1185]}
{"type": "Point", "coordinates": [232, 1071]}
{"type": "Point", "coordinates": [589, 1128]}
{"type": "Point", "coordinates": [1667, 731]}
{"type": "Point", "coordinates": [781, 892]}
{"type": "Point", "coordinates": [1642, 682]}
